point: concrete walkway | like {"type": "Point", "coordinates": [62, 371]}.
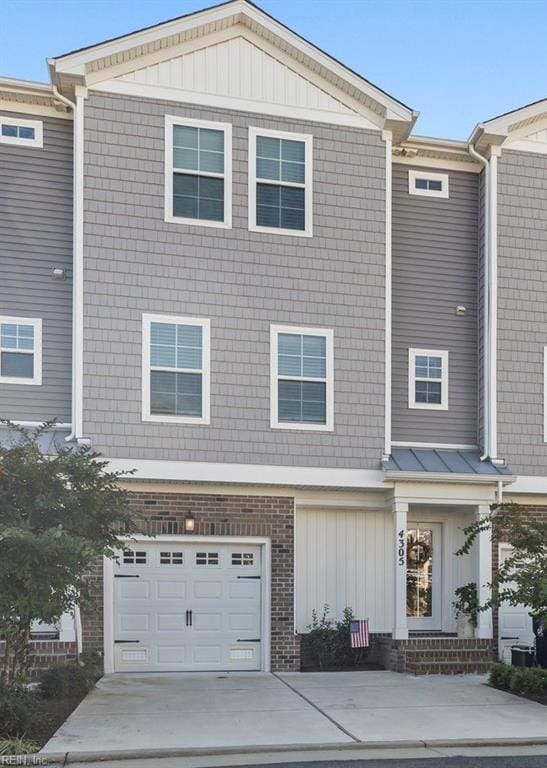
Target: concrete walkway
{"type": "Point", "coordinates": [132, 713]}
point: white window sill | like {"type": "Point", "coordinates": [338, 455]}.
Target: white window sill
{"type": "Point", "coordinates": [176, 420]}
{"type": "Point", "coordinates": [279, 231]}
{"type": "Point", "coordinates": [198, 222]}
{"type": "Point", "coordinates": [14, 380]}
{"type": "Point", "coordinates": [428, 406]}
{"type": "Point", "coordinates": [303, 427]}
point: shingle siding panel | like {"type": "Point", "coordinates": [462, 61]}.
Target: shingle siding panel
{"type": "Point", "coordinates": [243, 281]}
{"type": "Point", "coordinates": [35, 237]}
{"type": "Point", "coordinates": [522, 309]}
{"type": "Point", "coordinates": [435, 255]}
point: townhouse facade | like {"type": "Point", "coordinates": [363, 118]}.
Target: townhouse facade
{"type": "Point", "coordinates": [318, 339]}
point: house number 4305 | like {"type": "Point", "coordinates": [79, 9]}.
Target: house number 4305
{"type": "Point", "coordinates": [401, 547]}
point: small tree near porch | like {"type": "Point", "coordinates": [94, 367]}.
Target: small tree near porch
{"type": "Point", "coordinates": [57, 513]}
{"type": "Point", "coordinates": [522, 577]}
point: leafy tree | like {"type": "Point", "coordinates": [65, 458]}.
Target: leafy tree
{"type": "Point", "coordinates": [57, 513]}
{"type": "Point", "coordinates": [522, 577]}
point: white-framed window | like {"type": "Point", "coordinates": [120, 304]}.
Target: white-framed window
{"type": "Point", "coordinates": [176, 369]}
{"type": "Point", "coordinates": [198, 172]}
{"type": "Point", "coordinates": [428, 379]}
{"type": "Point", "coordinates": [20, 350]}
{"type": "Point", "coordinates": [25, 133]}
{"type": "Point", "coordinates": [280, 182]}
{"type": "Point", "coordinates": [427, 183]}
{"type": "Point", "coordinates": [302, 378]}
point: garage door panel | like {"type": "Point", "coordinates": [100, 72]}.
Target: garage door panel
{"type": "Point", "coordinates": [152, 621]}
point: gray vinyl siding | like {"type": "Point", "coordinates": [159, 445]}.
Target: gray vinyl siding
{"type": "Point", "coordinates": [35, 237]}
{"type": "Point", "coordinates": [522, 309]}
{"type": "Point", "coordinates": [435, 255]}
{"type": "Point", "coordinates": [242, 281]}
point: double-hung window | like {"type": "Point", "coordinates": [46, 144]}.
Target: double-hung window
{"type": "Point", "coordinates": [25, 133]}
{"type": "Point", "coordinates": [302, 395]}
{"type": "Point", "coordinates": [20, 350]}
{"type": "Point", "coordinates": [176, 369]}
{"type": "Point", "coordinates": [428, 379]}
{"type": "Point", "coordinates": [198, 177]}
{"type": "Point", "coordinates": [280, 182]}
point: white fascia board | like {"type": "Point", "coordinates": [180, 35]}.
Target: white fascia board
{"type": "Point", "coordinates": [446, 477]}
{"type": "Point", "coordinates": [529, 484]}
{"type": "Point", "coordinates": [504, 122]}
{"type": "Point", "coordinates": [28, 108]}
{"type": "Point", "coordinates": [209, 472]}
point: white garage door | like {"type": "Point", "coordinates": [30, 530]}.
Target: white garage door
{"type": "Point", "coordinates": [181, 606]}
{"type": "Point", "coordinates": [515, 622]}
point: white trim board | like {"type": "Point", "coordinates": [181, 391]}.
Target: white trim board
{"type": "Point", "coordinates": [253, 474]}
{"type": "Point", "coordinates": [439, 446]}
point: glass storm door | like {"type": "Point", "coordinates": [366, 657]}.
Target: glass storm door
{"type": "Point", "coordinates": [423, 575]}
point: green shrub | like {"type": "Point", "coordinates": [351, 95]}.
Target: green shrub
{"type": "Point", "coordinates": [500, 675]}
{"type": "Point", "coordinates": [17, 745]}
{"type": "Point", "coordinates": [67, 681]}
{"type": "Point", "coordinates": [530, 680]}
{"type": "Point", "coordinates": [328, 644]}
{"type": "Point", "coordinates": [17, 710]}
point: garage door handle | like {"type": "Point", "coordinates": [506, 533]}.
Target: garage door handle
{"type": "Point", "coordinates": [254, 640]}
{"type": "Point", "coordinates": [126, 641]}
{"type": "Point", "coordinates": [506, 637]}
{"type": "Point", "coordinates": [248, 577]}
{"type": "Point", "coordinates": [188, 618]}
{"type": "Point", "coordinates": [126, 576]}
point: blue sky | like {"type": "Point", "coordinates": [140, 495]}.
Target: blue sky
{"type": "Point", "coordinates": [456, 61]}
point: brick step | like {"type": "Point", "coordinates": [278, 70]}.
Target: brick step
{"type": "Point", "coordinates": [449, 668]}
{"type": "Point", "coordinates": [449, 652]}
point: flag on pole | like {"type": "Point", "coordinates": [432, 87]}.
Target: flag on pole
{"type": "Point", "coordinates": [358, 633]}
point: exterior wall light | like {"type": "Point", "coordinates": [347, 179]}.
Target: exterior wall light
{"type": "Point", "coordinates": [189, 523]}
{"type": "Point", "coordinates": [461, 310]}
{"type": "Point", "coordinates": [57, 273]}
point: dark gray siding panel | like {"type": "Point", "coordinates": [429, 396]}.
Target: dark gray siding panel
{"type": "Point", "coordinates": [243, 281]}
{"type": "Point", "coordinates": [435, 254]}
{"type": "Point", "coordinates": [35, 237]}
{"type": "Point", "coordinates": [522, 309]}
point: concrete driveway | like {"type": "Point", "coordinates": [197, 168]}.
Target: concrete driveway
{"type": "Point", "coordinates": [219, 710]}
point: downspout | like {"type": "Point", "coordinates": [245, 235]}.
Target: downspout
{"type": "Point", "coordinates": [486, 302]}
{"type": "Point", "coordinates": [493, 395]}
{"type": "Point", "coordinates": [388, 138]}
{"type": "Point", "coordinates": [77, 259]}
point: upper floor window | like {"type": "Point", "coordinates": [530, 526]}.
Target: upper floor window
{"type": "Point", "coordinates": [175, 369]}
{"type": "Point", "coordinates": [20, 350]}
{"type": "Point", "coordinates": [428, 184]}
{"type": "Point", "coordinates": [428, 379]}
{"type": "Point", "coordinates": [280, 182]}
{"type": "Point", "coordinates": [198, 174]}
{"type": "Point", "coordinates": [15, 130]}
{"type": "Point", "coordinates": [302, 395]}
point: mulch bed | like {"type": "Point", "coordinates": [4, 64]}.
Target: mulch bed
{"type": "Point", "coordinates": [52, 713]}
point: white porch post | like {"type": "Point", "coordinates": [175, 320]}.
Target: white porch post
{"type": "Point", "coordinates": [400, 628]}
{"type": "Point", "coordinates": [483, 570]}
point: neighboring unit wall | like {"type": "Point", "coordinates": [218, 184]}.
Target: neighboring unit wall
{"type": "Point", "coordinates": [522, 310]}
{"type": "Point", "coordinates": [435, 255]}
{"type": "Point", "coordinates": [243, 281]}
{"type": "Point", "coordinates": [35, 237]}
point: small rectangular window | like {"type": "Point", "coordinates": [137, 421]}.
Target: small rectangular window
{"type": "Point", "coordinates": [302, 378]}
{"type": "Point", "coordinates": [20, 350]}
{"type": "Point", "coordinates": [25, 133]}
{"type": "Point", "coordinates": [427, 183]}
{"type": "Point", "coordinates": [280, 182]}
{"type": "Point", "coordinates": [243, 558]}
{"type": "Point", "coordinates": [176, 369]}
{"type": "Point", "coordinates": [198, 174]}
{"type": "Point", "coordinates": [428, 379]}
{"type": "Point", "coordinates": [171, 558]}
{"type": "Point", "coordinates": [130, 557]}
{"type": "Point", "coordinates": [207, 558]}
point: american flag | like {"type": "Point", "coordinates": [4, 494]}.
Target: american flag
{"type": "Point", "coordinates": [358, 633]}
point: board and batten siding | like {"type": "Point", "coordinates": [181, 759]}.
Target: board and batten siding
{"type": "Point", "coordinates": [522, 309]}
{"type": "Point", "coordinates": [435, 269]}
{"type": "Point", "coordinates": [35, 237]}
{"type": "Point", "coordinates": [346, 559]}
{"type": "Point", "coordinates": [243, 281]}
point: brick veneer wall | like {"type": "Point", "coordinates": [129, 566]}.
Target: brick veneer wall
{"type": "Point", "coordinates": [530, 513]}
{"type": "Point", "coordinates": [48, 653]}
{"type": "Point", "coordinates": [218, 515]}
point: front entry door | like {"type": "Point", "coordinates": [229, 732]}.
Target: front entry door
{"type": "Point", "coordinates": [423, 580]}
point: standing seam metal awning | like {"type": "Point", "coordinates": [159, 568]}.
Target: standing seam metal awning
{"type": "Point", "coordinates": [438, 461]}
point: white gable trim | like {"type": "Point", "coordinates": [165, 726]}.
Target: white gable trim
{"type": "Point", "coordinates": [202, 24]}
